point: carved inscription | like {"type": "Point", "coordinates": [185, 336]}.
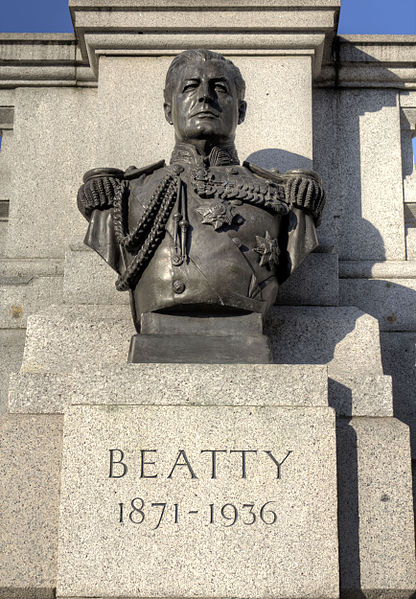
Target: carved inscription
{"type": "Point", "coordinates": [243, 462]}
{"type": "Point", "coordinates": [137, 511]}
{"type": "Point", "coordinates": [205, 464]}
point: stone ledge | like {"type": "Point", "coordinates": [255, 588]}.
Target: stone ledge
{"type": "Point", "coordinates": [171, 384]}
{"type": "Point", "coordinates": [369, 269]}
{"type": "Point", "coordinates": [197, 384]}
{"type": "Point", "coordinates": [170, 44]}
{"type": "Point", "coordinates": [15, 267]}
{"type": "Point", "coordinates": [224, 25]}
{"type": "Point", "coordinates": [63, 337]}
{"type": "Point", "coordinates": [372, 61]}
{"type": "Point", "coordinates": [41, 59]}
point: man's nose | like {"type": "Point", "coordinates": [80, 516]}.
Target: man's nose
{"type": "Point", "coordinates": [205, 93]}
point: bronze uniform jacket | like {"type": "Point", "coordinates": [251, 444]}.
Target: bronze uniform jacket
{"type": "Point", "coordinates": [245, 233]}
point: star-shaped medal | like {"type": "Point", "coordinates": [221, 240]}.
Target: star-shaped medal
{"type": "Point", "coordinates": [217, 215]}
{"type": "Point", "coordinates": [268, 249]}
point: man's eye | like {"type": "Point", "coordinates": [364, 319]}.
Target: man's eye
{"type": "Point", "coordinates": [189, 87]}
{"type": "Point", "coordinates": [220, 88]}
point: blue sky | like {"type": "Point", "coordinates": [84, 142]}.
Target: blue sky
{"type": "Point", "coordinates": [357, 16]}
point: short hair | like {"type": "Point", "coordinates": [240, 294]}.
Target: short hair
{"type": "Point", "coordinates": [189, 56]}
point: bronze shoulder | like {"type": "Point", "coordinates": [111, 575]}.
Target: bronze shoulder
{"type": "Point", "coordinates": [302, 188]}
{"type": "Point", "coordinates": [100, 185]}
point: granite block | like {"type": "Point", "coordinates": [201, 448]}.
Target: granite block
{"type": "Point", "coordinates": [54, 143]}
{"type": "Point", "coordinates": [11, 351]}
{"type": "Point", "coordinates": [361, 395]}
{"type": "Point", "coordinates": [170, 384]}
{"type": "Point", "coordinates": [314, 283]}
{"type": "Point", "coordinates": [391, 301]}
{"type": "Point", "coordinates": [345, 338]}
{"type": "Point", "coordinates": [363, 228]}
{"type": "Point", "coordinates": [115, 541]}
{"type": "Point", "coordinates": [66, 336]}
{"type": "Point", "coordinates": [30, 454]}
{"type": "Point", "coordinates": [376, 529]}
{"type": "Point", "coordinates": [399, 361]}
{"type": "Point", "coordinates": [21, 296]}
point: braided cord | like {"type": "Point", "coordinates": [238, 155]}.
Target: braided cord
{"type": "Point", "coordinates": [132, 241]}
{"type": "Point", "coordinates": [130, 277]}
{"type": "Point", "coordinates": [268, 197]}
{"type": "Point", "coordinates": [271, 202]}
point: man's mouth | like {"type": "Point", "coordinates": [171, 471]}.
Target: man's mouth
{"type": "Point", "coordinates": [206, 113]}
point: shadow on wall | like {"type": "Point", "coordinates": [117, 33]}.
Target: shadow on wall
{"type": "Point", "coordinates": [281, 160]}
{"type": "Point", "coordinates": [342, 120]}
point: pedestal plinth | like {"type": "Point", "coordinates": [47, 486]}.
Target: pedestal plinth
{"type": "Point", "coordinates": [198, 501]}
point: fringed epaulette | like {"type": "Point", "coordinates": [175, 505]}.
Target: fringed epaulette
{"type": "Point", "coordinates": [303, 188]}
{"type": "Point", "coordinates": [306, 193]}
{"type": "Point", "coordinates": [102, 184]}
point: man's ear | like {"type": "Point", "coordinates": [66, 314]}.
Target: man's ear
{"type": "Point", "coordinates": [168, 112]}
{"type": "Point", "coordinates": [242, 112]}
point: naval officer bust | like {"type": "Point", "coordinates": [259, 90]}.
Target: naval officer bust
{"type": "Point", "coordinates": [204, 234]}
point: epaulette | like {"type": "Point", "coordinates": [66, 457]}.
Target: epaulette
{"type": "Point", "coordinates": [302, 188]}
{"type": "Point", "coordinates": [278, 177]}
{"type": "Point", "coordinates": [102, 184]}
{"type": "Point", "coordinates": [272, 175]}
{"type": "Point", "coordinates": [133, 172]}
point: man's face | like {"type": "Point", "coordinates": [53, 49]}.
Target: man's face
{"type": "Point", "coordinates": [204, 103]}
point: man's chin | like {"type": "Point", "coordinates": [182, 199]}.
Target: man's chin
{"type": "Point", "coordinates": [204, 130]}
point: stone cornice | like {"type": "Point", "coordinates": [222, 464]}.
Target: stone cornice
{"type": "Point", "coordinates": [265, 27]}
{"type": "Point", "coordinates": [41, 59]}
{"type": "Point", "coordinates": [371, 61]}
{"type": "Point", "coordinates": [118, 27]}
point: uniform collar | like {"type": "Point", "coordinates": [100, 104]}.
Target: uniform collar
{"type": "Point", "coordinates": [185, 153]}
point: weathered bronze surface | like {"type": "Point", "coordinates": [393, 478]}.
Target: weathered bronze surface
{"type": "Point", "coordinates": [202, 235]}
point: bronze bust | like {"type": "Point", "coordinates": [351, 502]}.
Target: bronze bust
{"type": "Point", "coordinates": [204, 234]}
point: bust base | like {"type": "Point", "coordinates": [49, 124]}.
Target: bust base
{"type": "Point", "coordinates": [200, 349]}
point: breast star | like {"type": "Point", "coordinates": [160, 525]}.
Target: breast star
{"type": "Point", "coordinates": [268, 249]}
{"type": "Point", "coordinates": [218, 214]}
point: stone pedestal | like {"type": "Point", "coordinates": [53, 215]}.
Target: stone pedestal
{"type": "Point", "coordinates": [111, 405]}
{"type": "Point", "coordinates": [191, 501]}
